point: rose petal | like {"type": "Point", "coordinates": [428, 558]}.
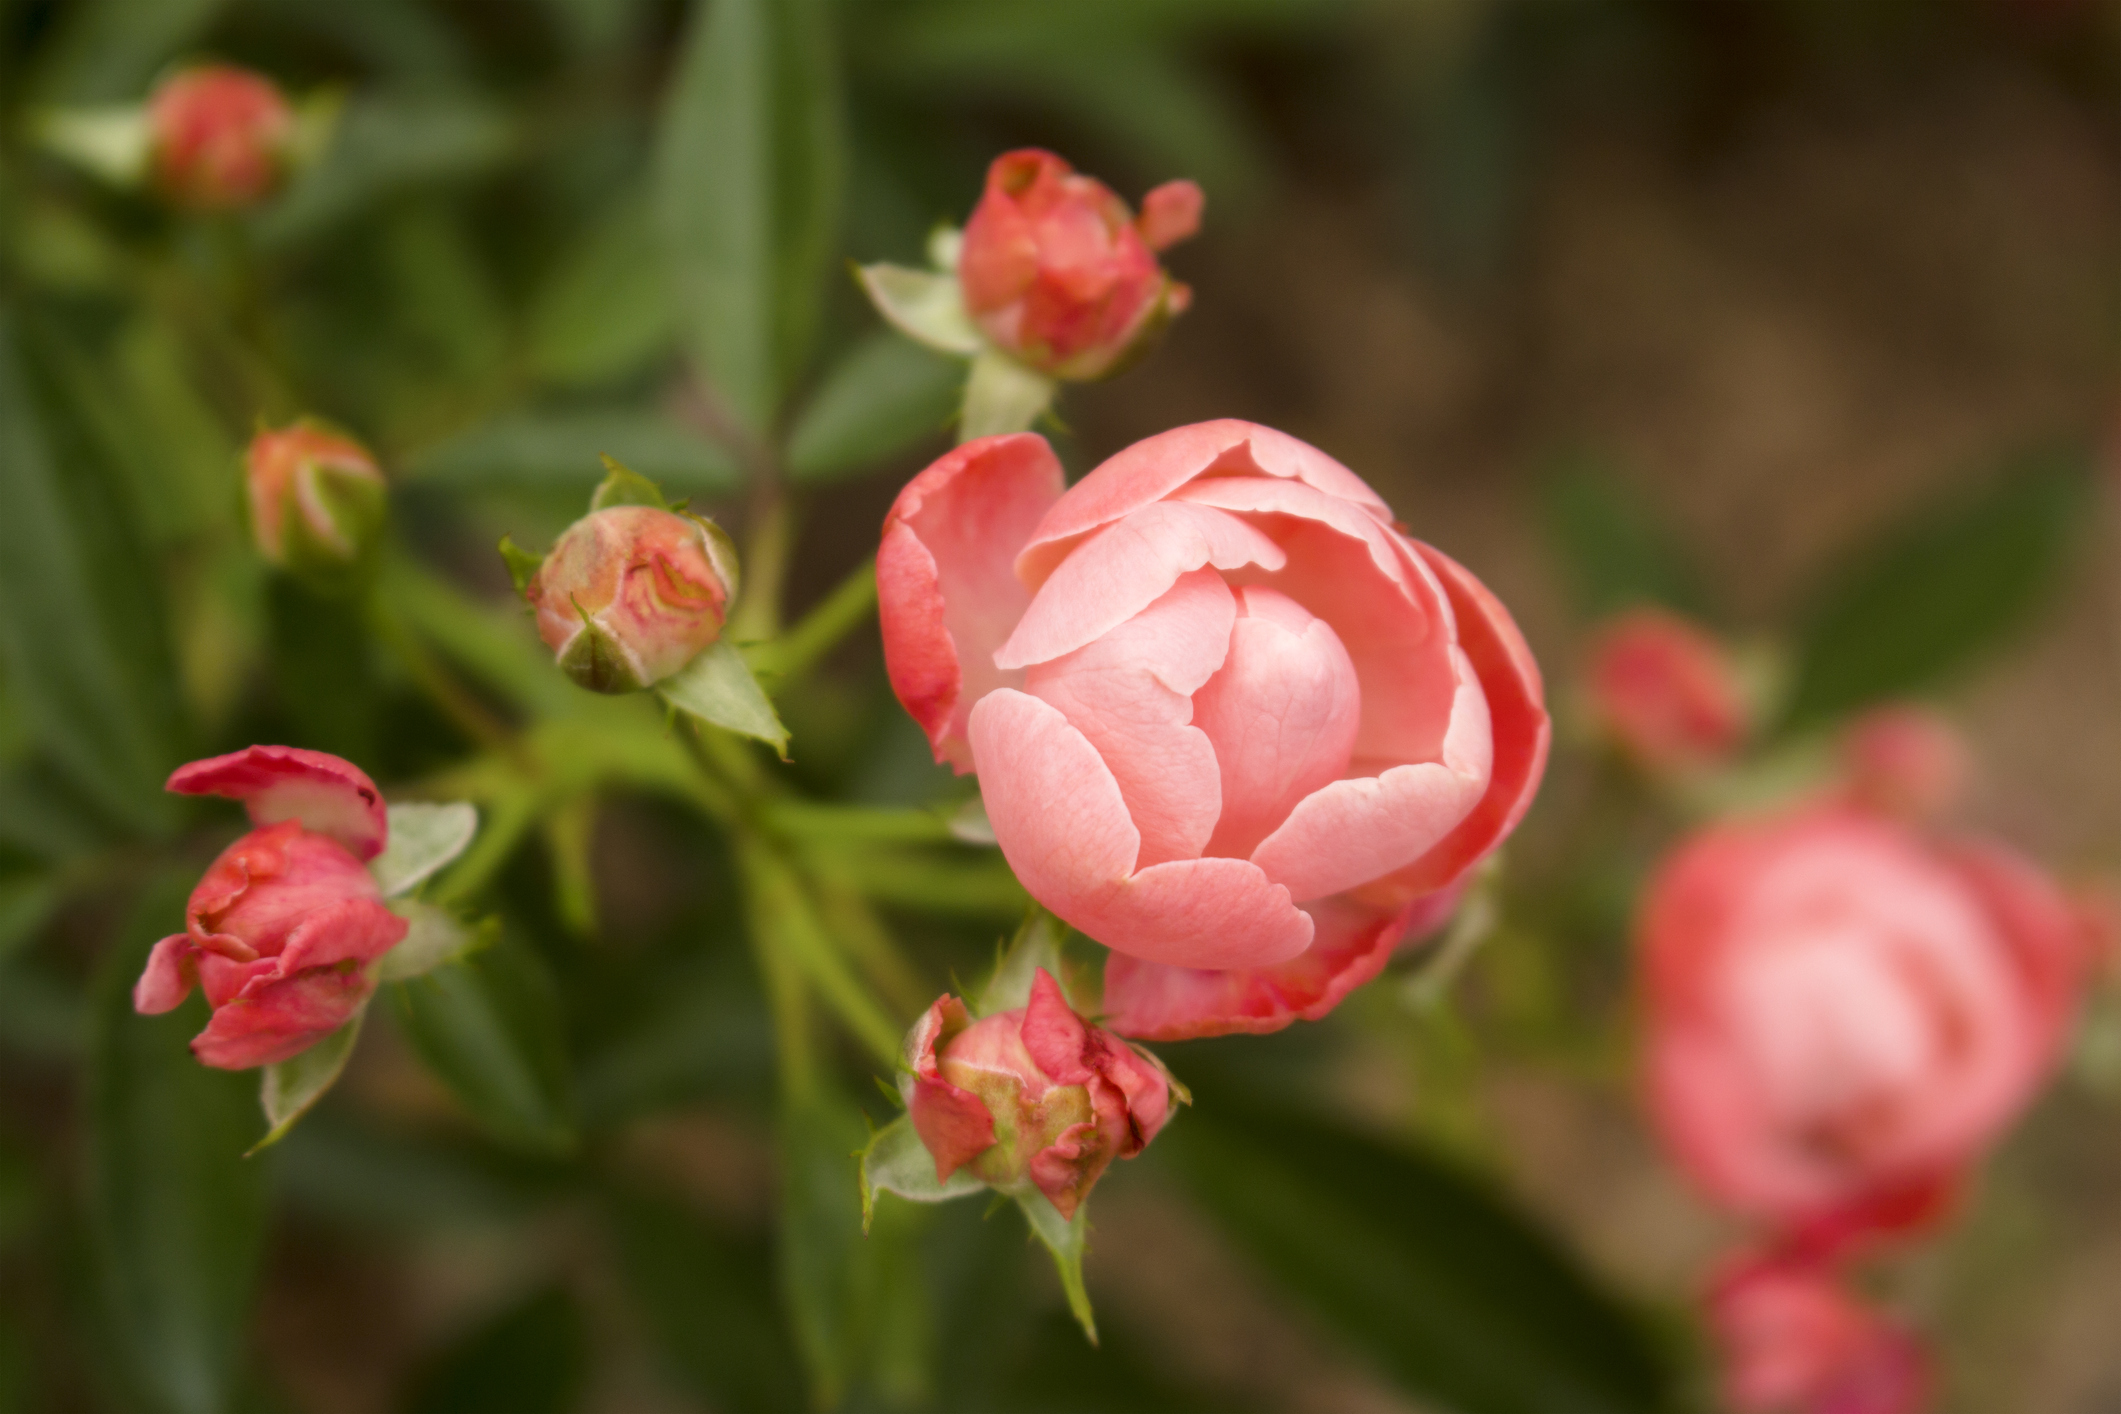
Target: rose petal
{"type": "Point", "coordinates": [322, 792]}
{"type": "Point", "coordinates": [314, 987]}
{"type": "Point", "coordinates": [1355, 831]}
{"type": "Point", "coordinates": [946, 593]}
{"type": "Point", "coordinates": [1130, 693]}
{"type": "Point", "coordinates": [1059, 817]}
{"type": "Point", "coordinates": [168, 977]}
{"type": "Point", "coordinates": [1170, 214]}
{"type": "Point", "coordinates": [1154, 1001]}
{"type": "Point", "coordinates": [1124, 569]}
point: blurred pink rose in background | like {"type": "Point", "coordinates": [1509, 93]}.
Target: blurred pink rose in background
{"type": "Point", "coordinates": [1034, 1096]}
{"type": "Point", "coordinates": [1905, 760]}
{"type": "Point", "coordinates": [1228, 720]}
{"type": "Point", "coordinates": [1842, 1014]}
{"type": "Point", "coordinates": [630, 594]}
{"type": "Point", "coordinates": [315, 496]}
{"type": "Point", "coordinates": [1059, 274]}
{"type": "Point", "coordinates": [1665, 691]}
{"type": "Point", "coordinates": [1794, 1341]}
{"type": "Point", "coordinates": [282, 931]}
{"type": "Point", "coordinates": [219, 136]}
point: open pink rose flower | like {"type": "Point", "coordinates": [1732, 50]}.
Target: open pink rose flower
{"type": "Point", "coordinates": [1228, 720]}
{"type": "Point", "coordinates": [283, 931]}
{"type": "Point", "coordinates": [1058, 273]}
{"type": "Point", "coordinates": [1794, 1341]}
{"type": "Point", "coordinates": [1034, 1097]}
{"type": "Point", "coordinates": [1842, 1014]}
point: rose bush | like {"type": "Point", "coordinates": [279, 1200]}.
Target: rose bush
{"type": "Point", "coordinates": [285, 928]}
{"type": "Point", "coordinates": [1841, 1014]}
{"type": "Point", "coordinates": [1228, 720]}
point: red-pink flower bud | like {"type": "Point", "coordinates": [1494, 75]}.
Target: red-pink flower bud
{"type": "Point", "coordinates": [1795, 1342]}
{"type": "Point", "coordinates": [283, 931]}
{"type": "Point", "coordinates": [220, 136]}
{"type": "Point", "coordinates": [1034, 1097]}
{"type": "Point", "coordinates": [631, 594]}
{"type": "Point", "coordinates": [316, 498]}
{"type": "Point", "coordinates": [1665, 691]}
{"type": "Point", "coordinates": [1905, 760]}
{"type": "Point", "coordinates": [1059, 274]}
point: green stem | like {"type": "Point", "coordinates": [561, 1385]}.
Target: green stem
{"type": "Point", "coordinates": [842, 611]}
{"type": "Point", "coordinates": [821, 825]}
{"type": "Point", "coordinates": [765, 568]}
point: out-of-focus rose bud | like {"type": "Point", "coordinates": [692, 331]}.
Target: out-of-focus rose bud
{"type": "Point", "coordinates": [284, 930]}
{"type": "Point", "coordinates": [1793, 1341]}
{"type": "Point", "coordinates": [1665, 691]}
{"type": "Point", "coordinates": [1033, 1097]}
{"type": "Point", "coordinates": [220, 137]}
{"type": "Point", "coordinates": [1906, 761]}
{"type": "Point", "coordinates": [1228, 721]}
{"type": "Point", "coordinates": [317, 501]}
{"type": "Point", "coordinates": [1841, 1015]}
{"type": "Point", "coordinates": [1060, 275]}
{"type": "Point", "coordinates": [631, 594]}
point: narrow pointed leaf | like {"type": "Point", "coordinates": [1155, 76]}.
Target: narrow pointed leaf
{"type": "Point", "coordinates": [717, 687]}
{"type": "Point", "coordinates": [1067, 1239]}
{"type": "Point", "coordinates": [884, 397]}
{"type": "Point", "coordinates": [522, 564]}
{"type": "Point", "coordinates": [897, 1162]}
{"type": "Point", "coordinates": [489, 1026]}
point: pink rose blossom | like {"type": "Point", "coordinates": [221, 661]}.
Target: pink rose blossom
{"type": "Point", "coordinates": [1664, 691]}
{"type": "Point", "coordinates": [629, 595]}
{"type": "Point", "coordinates": [1905, 760]}
{"type": "Point", "coordinates": [283, 930]}
{"type": "Point", "coordinates": [1058, 273]}
{"type": "Point", "coordinates": [1795, 1342]}
{"type": "Point", "coordinates": [1841, 1015]}
{"type": "Point", "coordinates": [1032, 1097]}
{"type": "Point", "coordinates": [220, 136]}
{"type": "Point", "coordinates": [1228, 720]}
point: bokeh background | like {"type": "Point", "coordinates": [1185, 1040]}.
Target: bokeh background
{"type": "Point", "coordinates": [1734, 289]}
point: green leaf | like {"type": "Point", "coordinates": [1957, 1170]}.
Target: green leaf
{"type": "Point", "coordinates": [1438, 1282]}
{"type": "Point", "coordinates": [79, 640]}
{"type": "Point", "coordinates": [882, 398]}
{"type": "Point", "coordinates": [747, 190]}
{"type": "Point", "coordinates": [435, 938]}
{"type": "Point", "coordinates": [108, 50]}
{"type": "Point", "coordinates": [176, 1216]}
{"type": "Point", "coordinates": [533, 449]}
{"type": "Point", "coordinates": [489, 1027]}
{"type": "Point", "coordinates": [111, 140]}
{"type": "Point", "coordinates": [623, 486]}
{"type": "Point", "coordinates": [701, 1294]}
{"type": "Point", "coordinates": [532, 1358]}
{"type": "Point", "coordinates": [927, 306]}
{"type": "Point", "coordinates": [386, 144]}
{"type": "Point", "coordinates": [718, 688]}
{"type": "Point", "coordinates": [292, 1087]}
{"type": "Point", "coordinates": [1066, 1239]}
{"type": "Point", "coordinates": [423, 838]}
{"type": "Point", "coordinates": [604, 311]}
{"type": "Point", "coordinates": [1616, 548]}
{"type": "Point", "coordinates": [897, 1162]}
{"type": "Point", "coordinates": [1002, 395]}
{"type": "Point", "coordinates": [1952, 581]}
{"type": "Point", "coordinates": [26, 901]}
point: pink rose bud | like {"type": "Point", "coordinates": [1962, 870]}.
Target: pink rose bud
{"type": "Point", "coordinates": [284, 930]}
{"type": "Point", "coordinates": [1906, 761]}
{"type": "Point", "coordinates": [1058, 273]}
{"type": "Point", "coordinates": [1665, 691]}
{"type": "Point", "coordinates": [1228, 721]}
{"type": "Point", "coordinates": [1842, 1015]}
{"type": "Point", "coordinates": [1030, 1098]}
{"type": "Point", "coordinates": [220, 137]}
{"type": "Point", "coordinates": [316, 499]}
{"type": "Point", "coordinates": [630, 595]}
{"type": "Point", "coordinates": [1794, 1341]}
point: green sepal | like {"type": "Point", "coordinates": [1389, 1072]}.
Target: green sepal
{"type": "Point", "coordinates": [596, 660]}
{"type": "Point", "coordinates": [718, 687]}
{"type": "Point", "coordinates": [357, 507]}
{"type": "Point", "coordinates": [623, 486]}
{"type": "Point", "coordinates": [521, 564]}
{"type": "Point", "coordinates": [925, 305]}
{"type": "Point", "coordinates": [436, 937]}
{"type": "Point", "coordinates": [289, 1089]}
{"type": "Point", "coordinates": [111, 141]}
{"type": "Point", "coordinates": [897, 1162]}
{"type": "Point", "coordinates": [1067, 1239]}
{"type": "Point", "coordinates": [1002, 395]}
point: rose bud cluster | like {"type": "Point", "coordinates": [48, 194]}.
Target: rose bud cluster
{"type": "Point", "coordinates": [1842, 1014]}
{"type": "Point", "coordinates": [1060, 275]}
{"type": "Point", "coordinates": [1665, 692]}
{"type": "Point", "coordinates": [630, 594]}
{"type": "Point", "coordinates": [1228, 720]}
{"type": "Point", "coordinates": [317, 502]}
{"type": "Point", "coordinates": [1794, 1341]}
{"type": "Point", "coordinates": [284, 931]}
{"type": "Point", "coordinates": [219, 137]}
{"type": "Point", "coordinates": [1030, 1098]}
